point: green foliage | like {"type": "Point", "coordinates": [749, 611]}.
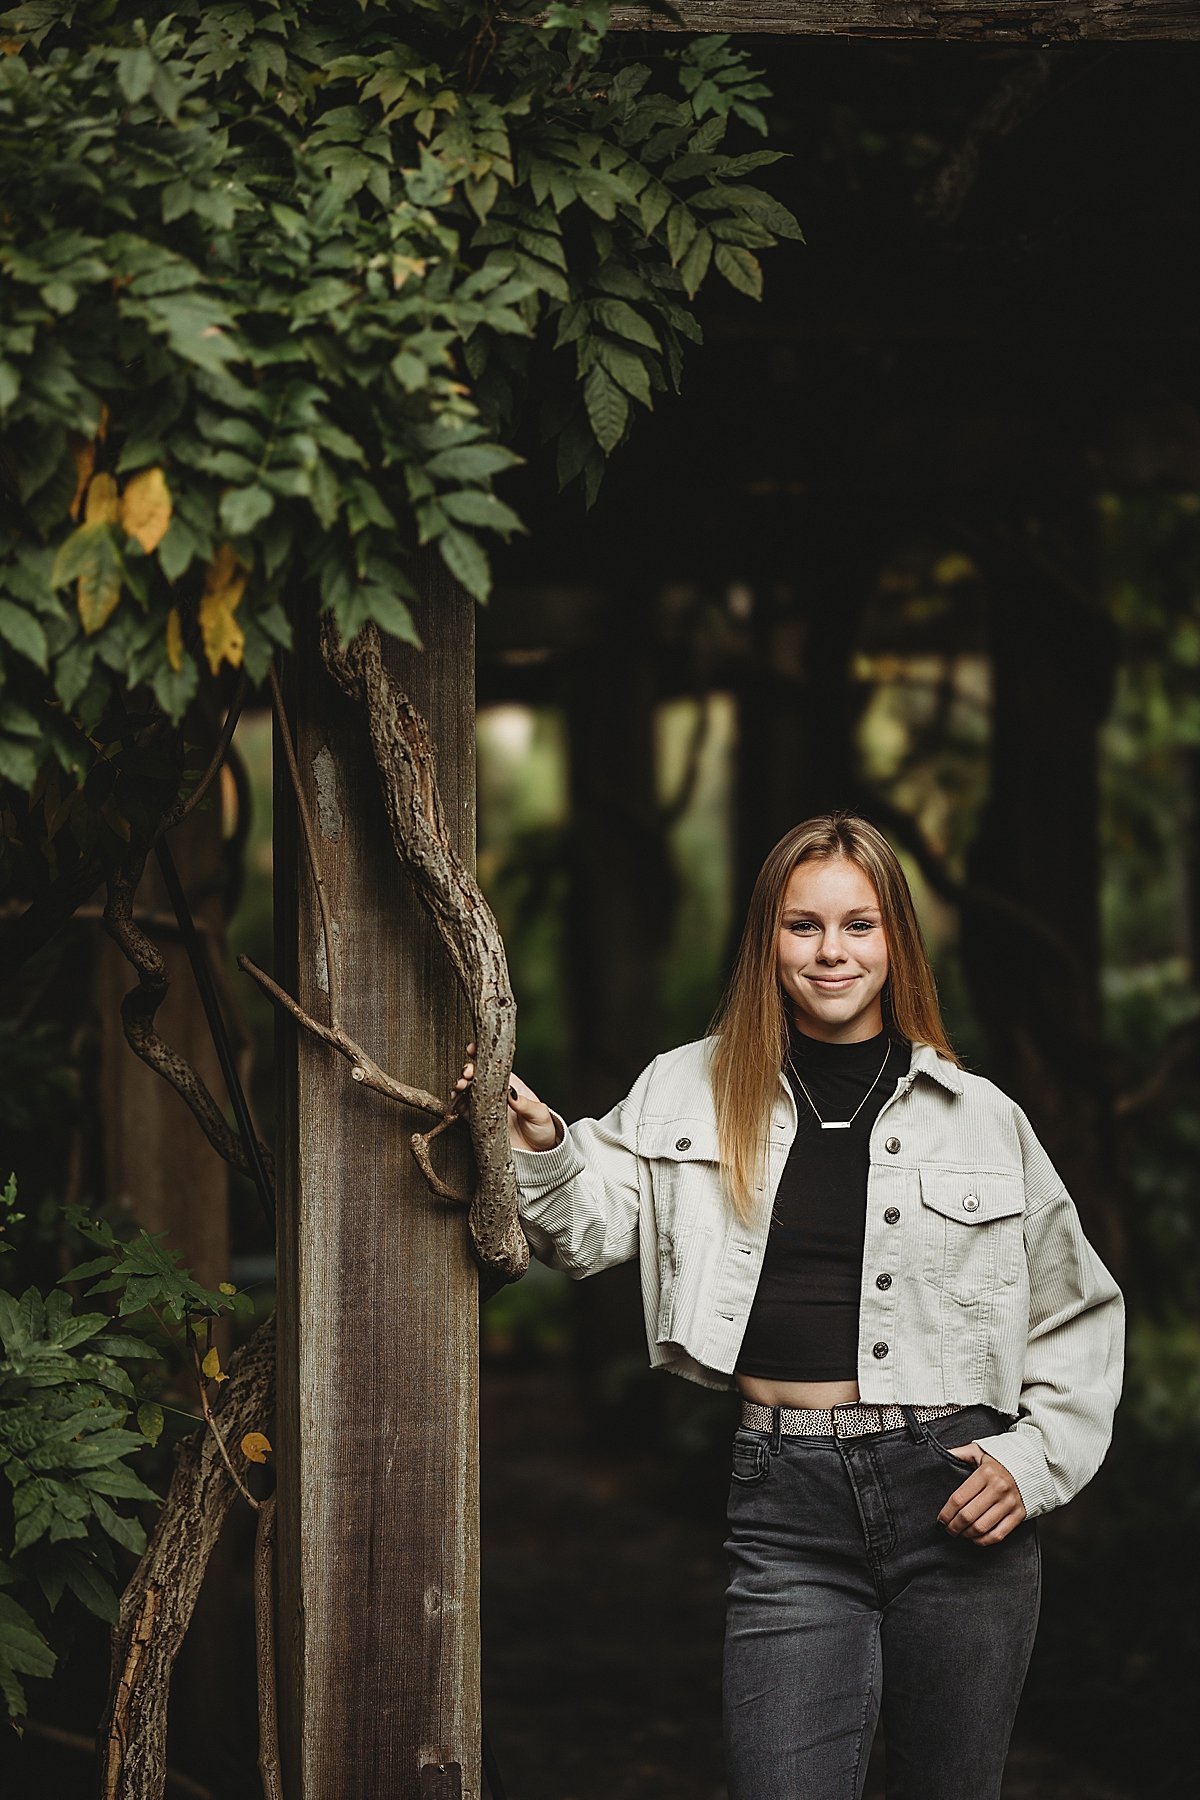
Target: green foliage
{"type": "Point", "coordinates": [275, 278]}
{"type": "Point", "coordinates": [70, 1418]}
{"type": "Point", "coordinates": [147, 1275]}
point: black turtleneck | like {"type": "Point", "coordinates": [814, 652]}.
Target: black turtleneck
{"type": "Point", "coordinates": [803, 1325]}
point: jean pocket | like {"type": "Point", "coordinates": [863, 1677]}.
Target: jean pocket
{"type": "Point", "coordinates": [960, 1435]}
{"type": "Point", "coordinates": [751, 1460]}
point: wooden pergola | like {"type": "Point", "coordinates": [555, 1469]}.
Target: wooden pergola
{"type": "Point", "coordinates": [378, 1317]}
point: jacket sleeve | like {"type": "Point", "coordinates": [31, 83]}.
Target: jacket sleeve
{"type": "Point", "coordinates": [1074, 1357]}
{"type": "Point", "coordinates": [579, 1202]}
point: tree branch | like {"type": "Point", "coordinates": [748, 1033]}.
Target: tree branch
{"type": "Point", "coordinates": [138, 1009]}
{"type": "Point", "coordinates": [364, 1068]}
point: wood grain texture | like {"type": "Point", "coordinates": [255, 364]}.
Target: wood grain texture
{"type": "Point", "coordinates": [992, 21]}
{"type": "Point", "coordinates": [378, 1291]}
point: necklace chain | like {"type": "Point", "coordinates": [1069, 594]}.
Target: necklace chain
{"type": "Point", "coordinates": [840, 1124]}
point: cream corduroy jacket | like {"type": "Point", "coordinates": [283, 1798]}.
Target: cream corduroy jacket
{"type": "Point", "coordinates": [995, 1294]}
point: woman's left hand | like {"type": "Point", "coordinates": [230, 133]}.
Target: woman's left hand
{"type": "Point", "coordinates": [988, 1505]}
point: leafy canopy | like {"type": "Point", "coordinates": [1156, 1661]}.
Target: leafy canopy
{"type": "Point", "coordinates": [275, 279]}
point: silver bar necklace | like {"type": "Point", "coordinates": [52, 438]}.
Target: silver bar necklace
{"type": "Point", "coordinates": [840, 1124]}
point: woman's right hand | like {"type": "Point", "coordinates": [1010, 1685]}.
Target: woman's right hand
{"type": "Point", "coordinates": [531, 1124]}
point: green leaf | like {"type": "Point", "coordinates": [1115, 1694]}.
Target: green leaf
{"type": "Point", "coordinates": [470, 506]}
{"type": "Point", "coordinates": [607, 408]}
{"type": "Point", "coordinates": [78, 1329]}
{"type": "Point", "coordinates": [90, 1587]}
{"type": "Point", "coordinates": [626, 367]}
{"type": "Point", "coordinates": [150, 1419]}
{"type": "Point", "coordinates": [740, 269]}
{"type": "Point", "coordinates": [695, 264]}
{"type": "Point", "coordinates": [472, 462]}
{"type": "Point", "coordinates": [128, 1532]}
{"type": "Point", "coordinates": [18, 764]}
{"type": "Point", "coordinates": [23, 1651]}
{"type": "Point", "coordinates": [466, 561]}
{"type": "Point", "coordinates": [681, 229]}
{"type": "Point", "coordinates": [119, 1483]}
{"type": "Point", "coordinates": [244, 508]}
{"type": "Point", "coordinates": [620, 318]}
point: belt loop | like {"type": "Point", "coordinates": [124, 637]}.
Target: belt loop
{"type": "Point", "coordinates": [776, 1429]}
{"type": "Point", "coordinates": [916, 1431]}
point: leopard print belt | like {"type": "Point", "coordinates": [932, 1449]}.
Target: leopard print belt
{"type": "Point", "coordinates": [852, 1420]}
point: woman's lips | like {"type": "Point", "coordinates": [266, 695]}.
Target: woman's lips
{"type": "Point", "coordinates": [831, 983]}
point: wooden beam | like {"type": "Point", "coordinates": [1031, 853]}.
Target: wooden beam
{"type": "Point", "coordinates": [378, 1292]}
{"type": "Point", "coordinates": [975, 21]}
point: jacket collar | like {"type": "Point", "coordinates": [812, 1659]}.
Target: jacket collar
{"type": "Point", "coordinates": [926, 1061]}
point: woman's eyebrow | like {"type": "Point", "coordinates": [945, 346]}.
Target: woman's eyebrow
{"type": "Point", "coordinates": [804, 912]}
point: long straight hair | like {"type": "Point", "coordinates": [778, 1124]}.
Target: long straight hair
{"type": "Point", "coordinates": [751, 1023]}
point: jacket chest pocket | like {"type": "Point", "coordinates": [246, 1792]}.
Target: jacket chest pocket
{"type": "Point", "coordinates": [680, 1156]}
{"type": "Point", "coordinates": [972, 1230]}
{"type": "Point", "coordinates": [685, 1178]}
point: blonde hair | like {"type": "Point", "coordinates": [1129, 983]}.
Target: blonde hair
{"type": "Point", "coordinates": [751, 1023]}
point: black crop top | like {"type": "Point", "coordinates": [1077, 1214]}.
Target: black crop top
{"type": "Point", "coordinates": [803, 1325]}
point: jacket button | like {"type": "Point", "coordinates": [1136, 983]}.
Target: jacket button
{"type": "Point", "coordinates": [879, 1350]}
{"type": "Point", "coordinates": [883, 1281]}
{"type": "Point", "coordinates": [892, 1145]}
{"type": "Point", "coordinates": [891, 1215]}
{"type": "Point", "coordinates": [970, 1202]}
{"type": "Point", "coordinates": [683, 1143]}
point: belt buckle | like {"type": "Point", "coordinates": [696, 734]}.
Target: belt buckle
{"type": "Point", "coordinates": [843, 1406]}
{"type": "Point", "coordinates": [858, 1408]}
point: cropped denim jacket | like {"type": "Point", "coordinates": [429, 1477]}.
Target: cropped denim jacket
{"type": "Point", "coordinates": [995, 1295]}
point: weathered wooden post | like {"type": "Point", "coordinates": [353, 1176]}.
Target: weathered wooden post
{"type": "Point", "coordinates": [377, 1428]}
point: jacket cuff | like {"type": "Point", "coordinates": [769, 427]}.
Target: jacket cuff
{"type": "Point", "coordinates": [540, 1172]}
{"type": "Point", "coordinates": [1022, 1455]}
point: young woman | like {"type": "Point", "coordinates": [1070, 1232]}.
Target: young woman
{"type": "Point", "coordinates": [870, 1243]}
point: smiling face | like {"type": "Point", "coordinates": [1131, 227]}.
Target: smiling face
{"type": "Point", "coordinates": [833, 958]}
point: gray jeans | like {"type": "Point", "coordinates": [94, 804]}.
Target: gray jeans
{"type": "Point", "coordinates": [847, 1597]}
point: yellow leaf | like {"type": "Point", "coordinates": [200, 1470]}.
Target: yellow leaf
{"type": "Point", "coordinates": [174, 640]}
{"type": "Point", "coordinates": [146, 508]}
{"type": "Point", "coordinates": [224, 586]}
{"type": "Point", "coordinates": [85, 462]}
{"type": "Point", "coordinates": [255, 1446]}
{"type": "Point", "coordinates": [103, 503]}
{"type": "Point", "coordinates": [212, 1366]}
{"type": "Point", "coordinates": [226, 1287]}
{"type": "Point", "coordinates": [99, 586]}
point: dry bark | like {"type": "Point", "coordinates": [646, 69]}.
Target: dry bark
{"type": "Point", "coordinates": [404, 757]}
{"type": "Point", "coordinates": [157, 1605]}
